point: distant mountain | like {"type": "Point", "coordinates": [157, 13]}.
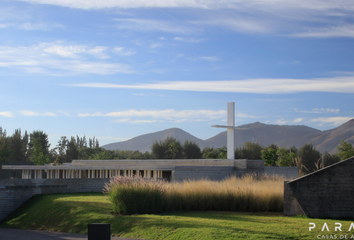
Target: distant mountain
{"type": "Point", "coordinates": [144, 142]}
{"type": "Point", "coordinates": [264, 134]}
{"type": "Point", "coordinates": [326, 140]}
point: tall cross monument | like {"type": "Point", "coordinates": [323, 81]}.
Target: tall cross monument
{"type": "Point", "coordinates": [230, 130]}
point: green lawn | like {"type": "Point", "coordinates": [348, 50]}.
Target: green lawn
{"type": "Point", "coordinates": [72, 213]}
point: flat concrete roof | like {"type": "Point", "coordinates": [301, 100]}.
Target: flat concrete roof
{"type": "Point", "coordinates": [154, 164]}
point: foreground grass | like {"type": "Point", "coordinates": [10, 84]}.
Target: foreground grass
{"type": "Point", "coordinates": [72, 213]}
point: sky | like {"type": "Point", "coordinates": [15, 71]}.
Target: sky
{"type": "Point", "coordinates": [116, 69]}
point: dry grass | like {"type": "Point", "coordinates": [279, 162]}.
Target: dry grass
{"type": "Point", "coordinates": [249, 193]}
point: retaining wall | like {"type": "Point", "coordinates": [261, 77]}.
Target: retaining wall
{"type": "Point", "coordinates": [15, 192]}
{"type": "Point", "coordinates": [327, 193]}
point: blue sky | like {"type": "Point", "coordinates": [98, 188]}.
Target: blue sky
{"type": "Point", "coordinates": [119, 69]}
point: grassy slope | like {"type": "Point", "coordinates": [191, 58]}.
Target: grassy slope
{"type": "Point", "coordinates": [72, 213]}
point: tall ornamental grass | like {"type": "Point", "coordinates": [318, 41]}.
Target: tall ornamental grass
{"type": "Point", "coordinates": [250, 193]}
{"type": "Point", "coordinates": [135, 195]}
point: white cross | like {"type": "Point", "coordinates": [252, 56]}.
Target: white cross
{"type": "Point", "coordinates": [230, 130]}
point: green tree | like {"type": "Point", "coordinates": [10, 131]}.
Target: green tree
{"type": "Point", "coordinates": [249, 150]}
{"type": "Point", "coordinates": [285, 157]}
{"type": "Point", "coordinates": [214, 153]}
{"type": "Point", "coordinates": [43, 140]}
{"type": "Point", "coordinates": [309, 156]}
{"type": "Point", "coordinates": [72, 151]}
{"type": "Point", "coordinates": [268, 155]}
{"type": "Point", "coordinates": [330, 159]}
{"type": "Point", "coordinates": [167, 149]}
{"type": "Point", "coordinates": [38, 156]}
{"type": "Point", "coordinates": [5, 151]}
{"type": "Point", "coordinates": [191, 150]}
{"type": "Point", "coordinates": [17, 146]}
{"type": "Point", "coordinates": [345, 149]}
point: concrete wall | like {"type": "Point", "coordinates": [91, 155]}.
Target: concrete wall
{"type": "Point", "coordinates": [291, 205]}
{"type": "Point", "coordinates": [202, 172]}
{"type": "Point", "coordinates": [15, 192]}
{"type": "Point", "coordinates": [327, 193]}
{"type": "Point", "coordinates": [286, 172]}
{"type": "Point", "coordinates": [152, 164]}
{"type": "Point", "coordinates": [255, 166]}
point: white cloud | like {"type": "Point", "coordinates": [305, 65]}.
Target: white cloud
{"type": "Point", "coordinates": [136, 121]}
{"type": "Point", "coordinates": [29, 113]}
{"type": "Point", "coordinates": [134, 116]}
{"type": "Point", "coordinates": [328, 32]}
{"type": "Point", "coordinates": [123, 52]}
{"type": "Point", "coordinates": [146, 25]}
{"type": "Point", "coordinates": [211, 58]}
{"type": "Point", "coordinates": [281, 121]}
{"type": "Point", "coordinates": [73, 51]}
{"type": "Point", "coordinates": [6, 114]}
{"type": "Point", "coordinates": [243, 115]}
{"type": "Point", "coordinates": [191, 40]}
{"type": "Point", "coordinates": [297, 120]}
{"type": "Point", "coordinates": [30, 26]}
{"type": "Point", "coordinates": [269, 5]}
{"type": "Point", "coordinates": [165, 114]}
{"type": "Point", "coordinates": [319, 110]}
{"type": "Point", "coordinates": [58, 59]}
{"type": "Point", "coordinates": [335, 121]}
{"type": "Point", "coordinates": [263, 86]}
{"type": "Point", "coordinates": [251, 16]}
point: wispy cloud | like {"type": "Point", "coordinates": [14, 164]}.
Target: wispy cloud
{"type": "Point", "coordinates": [73, 51]}
{"type": "Point", "coordinates": [328, 32]}
{"type": "Point", "coordinates": [29, 113]}
{"type": "Point", "coordinates": [264, 86]}
{"type": "Point", "coordinates": [60, 59]}
{"type": "Point", "coordinates": [30, 26]}
{"type": "Point", "coordinates": [123, 52]}
{"type": "Point", "coordinates": [169, 115]}
{"type": "Point", "coordinates": [210, 58]}
{"type": "Point", "coordinates": [319, 110]}
{"type": "Point", "coordinates": [324, 6]}
{"type": "Point", "coordinates": [297, 120]}
{"type": "Point", "coordinates": [147, 25]}
{"type": "Point", "coordinates": [281, 121]}
{"type": "Point", "coordinates": [190, 40]}
{"type": "Point", "coordinates": [335, 121]}
{"type": "Point", "coordinates": [250, 16]}
{"type": "Point", "coordinates": [6, 114]}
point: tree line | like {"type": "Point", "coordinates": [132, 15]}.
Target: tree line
{"type": "Point", "coordinates": [307, 158]}
{"type": "Point", "coordinates": [35, 148]}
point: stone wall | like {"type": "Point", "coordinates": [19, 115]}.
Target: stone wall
{"type": "Point", "coordinates": [15, 192]}
{"type": "Point", "coordinates": [327, 193]}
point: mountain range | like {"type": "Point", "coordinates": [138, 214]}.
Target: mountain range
{"type": "Point", "coordinates": [264, 134]}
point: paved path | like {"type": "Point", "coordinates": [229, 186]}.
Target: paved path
{"type": "Point", "coordinates": [20, 234]}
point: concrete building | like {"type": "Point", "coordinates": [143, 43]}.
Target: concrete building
{"type": "Point", "coordinates": [170, 170]}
